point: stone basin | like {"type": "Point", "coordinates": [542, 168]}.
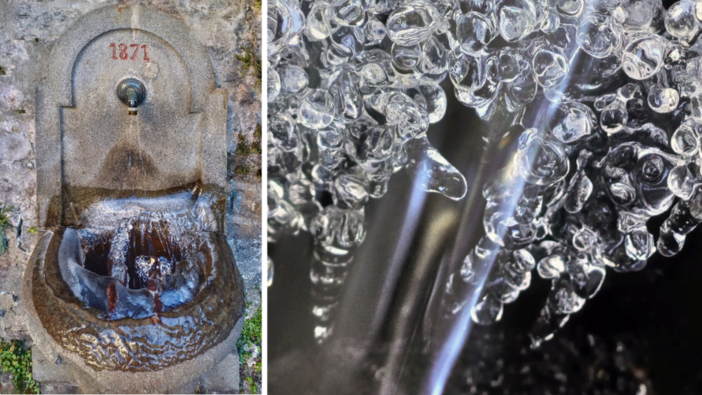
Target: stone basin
{"type": "Point", "coordinates": [141, 349]}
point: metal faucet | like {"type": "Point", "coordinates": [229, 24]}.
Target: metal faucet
{"type": "Point", "coordinates": [132, 93]}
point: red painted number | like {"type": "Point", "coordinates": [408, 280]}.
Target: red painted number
{"type": "Point", "coordinates": [135, 51]}
{"type": "Point", "coordinates": [124, 55]}
{"type": "Point", "coordinates": [123, 52]}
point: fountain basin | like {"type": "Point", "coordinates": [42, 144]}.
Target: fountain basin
{"type": "Point", "coordinates": [133, 355]}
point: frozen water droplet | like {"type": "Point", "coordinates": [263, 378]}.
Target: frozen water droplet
{"type": "Point", "coordinates": [681, 21]}
{"type": "Point", "coordinates": [663, 100]}
{"type": "Point", "coordinates": [599, 36]}
{"type": "Point", "coordinates": [487, 311]}
{"type": "Point", "coordinates": [432, 170]}
{"type": "Point", "coordinates": [572, 122]}
{"type": "Point", "coordinates": [412, 23]}
{"type": "Point", "coordinates": [517, 18]}
{"type": "Point", "coordinates": [293, 79]}
{"type": "Point", "coordinates": [273, 85]}
{"type": "Point", "coordinates": [550, 68]}
{"type": "Point", "coordinates": [317, 109]}
{"type": "Point", "coordinates": [551, 266]}
{"type": "Point", "coordinates": [644, 56]}
{"type": "Point", "coordinates": [474, 31]}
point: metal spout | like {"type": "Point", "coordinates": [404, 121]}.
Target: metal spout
{"type": "Point", "coordinates": [132, 93]}
{"type": "Point", "coordinates": [132, 99]}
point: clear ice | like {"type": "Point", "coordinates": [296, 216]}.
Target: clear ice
{"type": "Point", "coordinates": [605, 95]}
{"type": "Point", "coordinates": [138, 257]}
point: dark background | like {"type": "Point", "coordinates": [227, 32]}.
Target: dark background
{"type": "Point", "coordinates": [638, 335]}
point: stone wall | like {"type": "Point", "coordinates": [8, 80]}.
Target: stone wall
{"type": "Point", "coordinates": [230, 31]}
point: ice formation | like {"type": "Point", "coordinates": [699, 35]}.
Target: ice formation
{"type": "Point", "coordinates": [352, 89]}
{"type": "Point", "coordinates": [604, 95]}
{"type": "Point", "coordinates": [132, 259]}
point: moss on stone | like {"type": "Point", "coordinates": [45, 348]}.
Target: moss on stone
{"type": "Point", "coordinates": [4, 223]}
{"type": "Point", "coordinates": [250, 60]}
{"type": "Point", "coordinates": [256, 144]}
{"type": "Point", "coordinates": [251, 336]}
{"type": "Point", "coordinates": [16, 359]}
{"type": "Point", "coordinates": [242, 147]}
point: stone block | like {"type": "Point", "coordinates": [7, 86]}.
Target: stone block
{"type": "Point", "coordinates": [222, 379]}
{"type": "Point", "coordinates": [45, 370]}
{"type": "Point", "coordinates": [60, 388]}
{"type": "Point", "coordinates": [7, 301]}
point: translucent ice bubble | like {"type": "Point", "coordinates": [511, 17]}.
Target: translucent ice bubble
{"type": "Point", "coordinates": [283, 132]}
{"type": "Point", "coordinates": [663, 100]}
{"type": "Point", "coordinates": [317, 109]}
{"type": "Point", "coordinates": [349, 12]}
{"type": "Point", "coordinates": [686, 138]}
{"type": "Point", "coordinates": [318, 26]}
{"type": "Point", "coordinates": [570, 7]}
{"type": "Point", "coordinates": [406, 58]}
{"type": "Point", "coordinates": [474, 31]}
{"type": "Point", "coordinates": [540, 160]}
{"type": "Point", "coordinates": [273, 85]}
{"type": "Point", "coordinates": [681, 21]}
{"type": "Point", "coordinates": [412, 23]}
{"type": "Point", "coordinates": [642, 15]}
{"type": "Point", "coordinates": [293, 79]}
{"type": "Point", "coordinates": [599, 36]}
{"type": "Point", "coordinates": [644, 56]}
{"type": "Point", "coordinates": [550, 67]}
{"type": "Point", "coordinates": [285, 22]}
{"type": "Point", "coordinates": [517, 18]}
{"type": "Point", "coordinates": [573, 122]}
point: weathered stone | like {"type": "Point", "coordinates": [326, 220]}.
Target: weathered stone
{"type": "Point", "coordinates": [6, 385]}
{"type": "Point", "coordinates": [244, 228]}
{"type": "Point", "coordinates": [178, 136]}
{"type": "Point", "coordinates": [45, 370]}
{"type": "Point", "coordinates": [58, 387]}
{"type": "Point", "coordinates": [223, 379]}
{"type": "Point", "coordinates": [7, 301]}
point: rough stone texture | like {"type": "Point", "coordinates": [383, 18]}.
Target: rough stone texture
{"type": "Point", "coordinates": [220, 380]}
{"type": "Point", "coordinates": [244, 229]}
{"type": "Point", "coordinates": [12, 313]}
{"type": "Point", "coordinates": [56, 377]}
{"type": "Point", "coordinates": [58, 387]}
{"type": "Point", "coordinates": [6, 386]}
{"type": "Point", "coordinates": [45, 370]}
{"type": "Point", "coordinates": [217, 381]}
{"type": "Point", "coordinates": [28, 30]}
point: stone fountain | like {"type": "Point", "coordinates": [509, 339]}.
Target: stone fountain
{"type": "Point", "coordinates": [132, 286]}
